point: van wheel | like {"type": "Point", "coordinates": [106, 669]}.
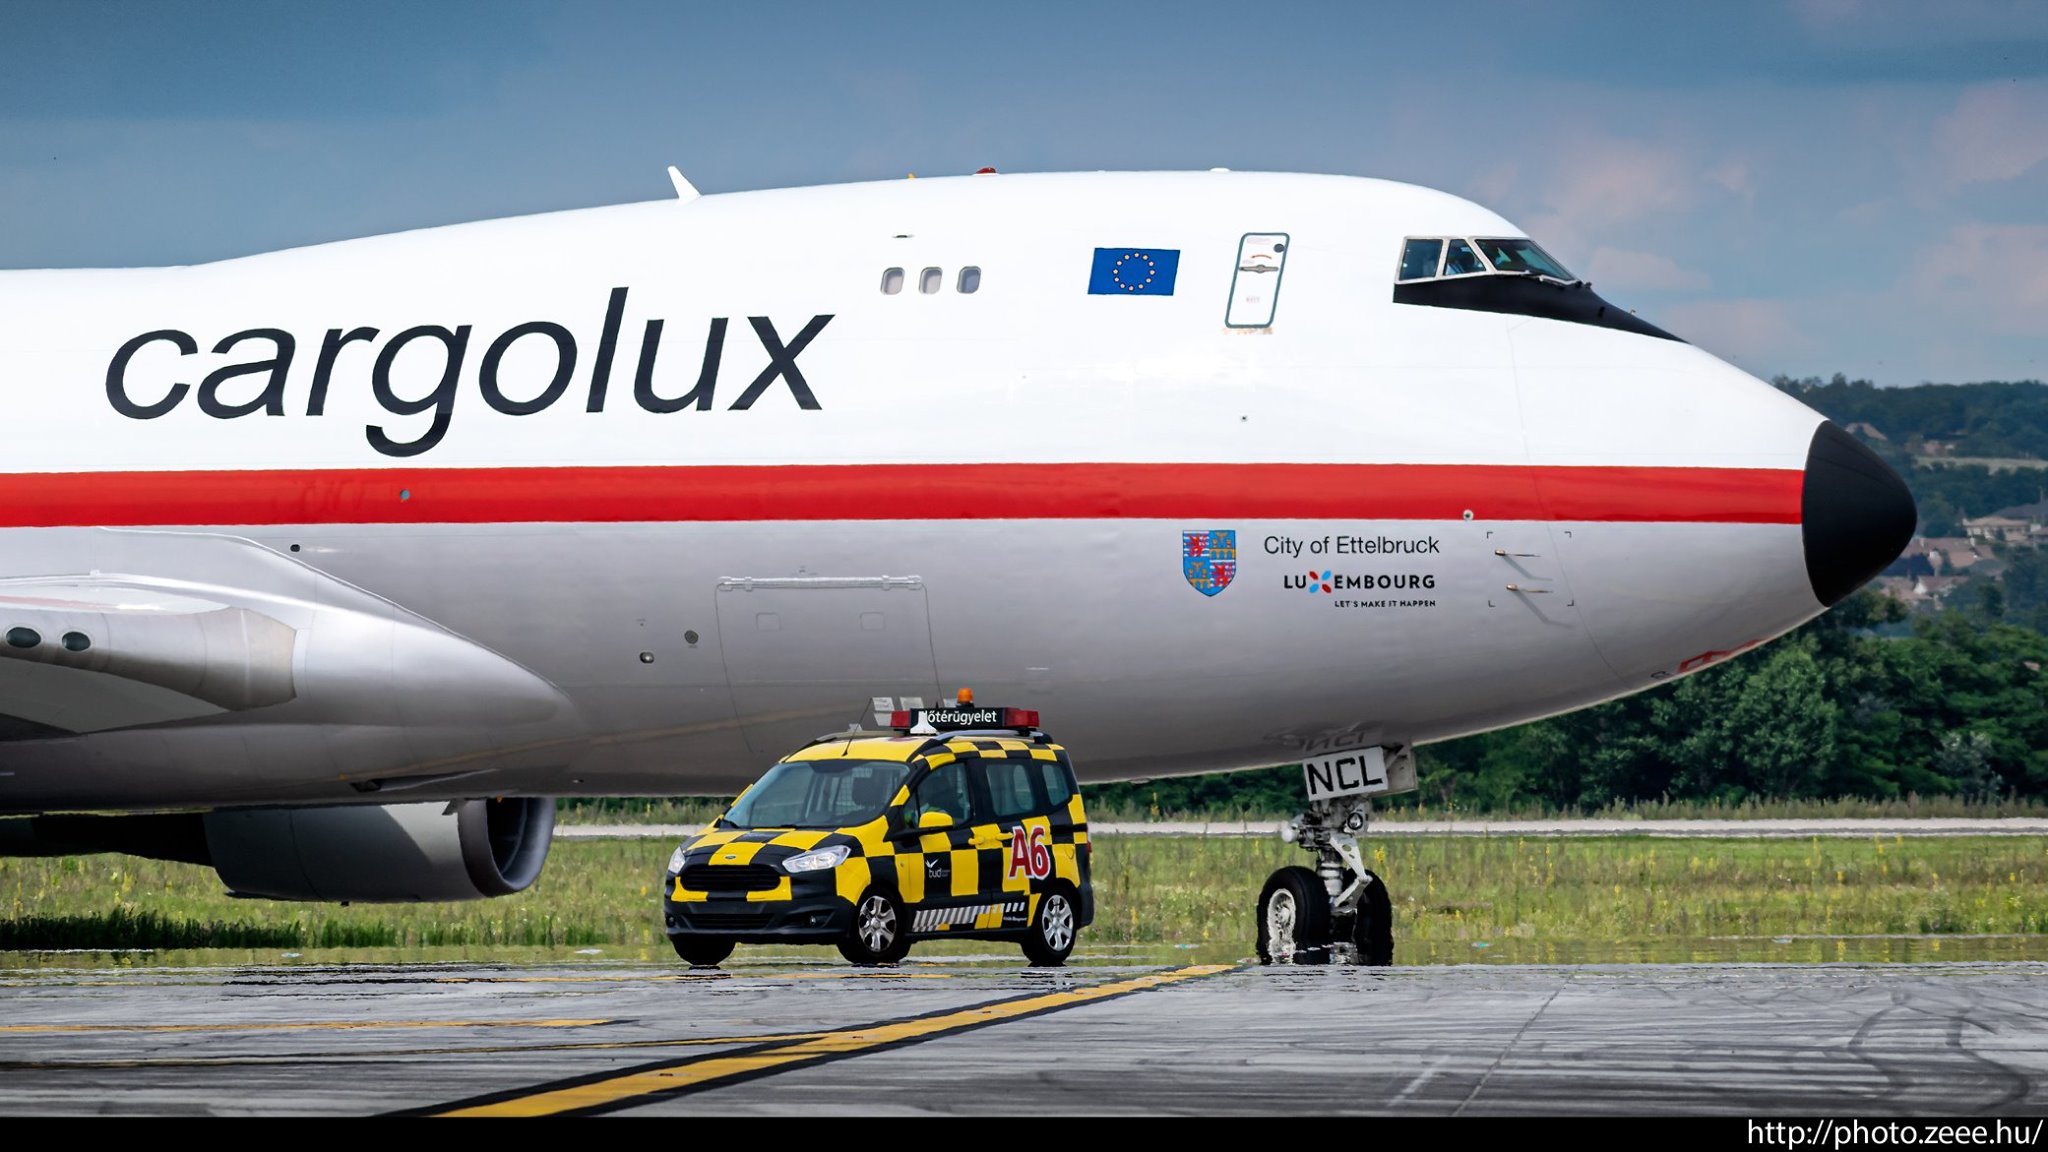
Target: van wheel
{"type": "Point", "coordinates": [1049, 941]}
{"type": "Point", "coordinates": [880, 932]}
{"type": "Point", "coordinates": [702, 951]}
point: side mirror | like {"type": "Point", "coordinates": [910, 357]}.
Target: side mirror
{"type": "Point", "coordinates": [935, 820]}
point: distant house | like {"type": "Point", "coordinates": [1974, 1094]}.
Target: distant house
{"type": "Point", "coordinates": [1905, 589]}
{"type": "Point", "coordinates": [2035, 513]}
{"type": "Point", "coordinates": [1924, 593]}
{"type": "Point", "coordinates": [1957, 553]}
{"type": "Point", "coordinates": [2004, 529]}
{"type": "Point", "coordinates": [1938, 587]}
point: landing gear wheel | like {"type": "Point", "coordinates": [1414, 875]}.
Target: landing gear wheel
{"type": "Point", "coordinates": [1294, 919]}
{"type": "Point", "coordinates": [702, 951]}
{"type": "Point", "coordinates": [880, 932]}
{"type": "Point", "coordinates": [1048, 942]}
{"type": "Point", "coordinates": [1372, 929]}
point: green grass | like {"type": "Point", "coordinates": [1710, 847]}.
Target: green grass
{"type": "Point", "coordinates": [1456, 891]}
{"type": "Point", "coordinates": [1456, 898]}
{"type": "Point", "coordinates": [124, 927]}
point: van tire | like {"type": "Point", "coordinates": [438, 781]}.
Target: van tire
{"type": "Point", "coordinates": [880, 933]}
{"type": "Point", "coordinates": [1053, 932]}
{"type": "Point", "coordinates": [702, 951]}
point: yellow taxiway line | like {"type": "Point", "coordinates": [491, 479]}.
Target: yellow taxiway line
{"type": "Point", "coordinates": [712, 1068]}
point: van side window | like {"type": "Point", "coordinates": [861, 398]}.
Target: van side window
{"type": "Point", "coordinates": [943, 791]}
{"type": "Point", "coordinates": [1058, 788]}
{"type": "Point", "coordinates": [1012, 789]}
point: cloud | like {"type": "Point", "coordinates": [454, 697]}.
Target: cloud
{"type": "Point", "coordinates": [1754, 333]}
{"type": "Point", "coordinates": [1992, 276]}
{"type": "Point", "coordinates": [1493, 185]}
{"type": "Point", "coordinates": [1995, 132]}
{"type": "Point", "coordinates": [1733, 175]}
{"type": "Point", "coordinates": [1619, 268]}
{"type": "Point", "coordinates": [1600, 184]}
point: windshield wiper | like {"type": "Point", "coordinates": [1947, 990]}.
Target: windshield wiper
{"type": "Point", "coordinates": [1547, 278]}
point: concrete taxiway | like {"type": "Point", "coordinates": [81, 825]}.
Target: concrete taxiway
{"type": "Point", "coordinates": [782, 1038]}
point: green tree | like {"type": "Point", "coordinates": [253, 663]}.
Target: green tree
{"type": "Point", "coordinates": [1782, 725]}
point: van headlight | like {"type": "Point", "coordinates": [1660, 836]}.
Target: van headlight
{"type": "Point", "coordinates": [817, 861]}
{"type": "Point", "coordinates": [675, 860]}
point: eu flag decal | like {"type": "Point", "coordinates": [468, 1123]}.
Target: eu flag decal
{"type": "Point", "coordinates": [1209, 559]}
{"type": "Point", "coordinates": [1133, 271]}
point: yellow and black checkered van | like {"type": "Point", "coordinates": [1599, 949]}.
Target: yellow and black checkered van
{"type": "Point", "coordinates": [875, 840]}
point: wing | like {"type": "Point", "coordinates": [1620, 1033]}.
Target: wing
{"type": "Point", "coordinates": [191, 666]}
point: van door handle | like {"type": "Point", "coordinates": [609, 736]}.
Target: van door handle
{"type": "Point", "coordinates": [994, 841]}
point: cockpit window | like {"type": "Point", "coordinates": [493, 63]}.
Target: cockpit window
{"type": "Point", "coordinates": [1507, 275]}
{"type": "Point", "coordinates": [1419, 259]}
{"type": "Point", "coordinates": [1461, 260]}
{"type": "Point", "coordinates": [1522, 256]}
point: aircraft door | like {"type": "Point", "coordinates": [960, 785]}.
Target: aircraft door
{"type": "Point", "coordinates": [807, 654]}
{"type": "Point", "coordinates": [1255, 285]}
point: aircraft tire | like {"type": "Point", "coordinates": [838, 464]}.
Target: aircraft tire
{"type": "Point", "coordinates": [1294, 918]}
{"type": "Point", "coordinates": [1373, 929]}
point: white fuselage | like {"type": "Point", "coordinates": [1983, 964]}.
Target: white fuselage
{"type": "Point", "coordinates": [766, 492]}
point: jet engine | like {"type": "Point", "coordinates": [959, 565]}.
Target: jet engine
{"type": "Point", "coordinates": [462, 850]}
{"type": "Point", "coordinates": [390, 853]}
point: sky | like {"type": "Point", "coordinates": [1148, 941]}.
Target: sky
{"type": "Point", "coordinates": [1806, 187]}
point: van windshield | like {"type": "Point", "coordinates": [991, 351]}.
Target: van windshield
{"type": "Point", "coordinates": [819, 794]}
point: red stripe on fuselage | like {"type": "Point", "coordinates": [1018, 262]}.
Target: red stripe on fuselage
{"type": "Point", "coordinates": [1205, 492]}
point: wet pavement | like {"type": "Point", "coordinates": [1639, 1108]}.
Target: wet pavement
{"type": "Point", "coordinates": [787, 1037]}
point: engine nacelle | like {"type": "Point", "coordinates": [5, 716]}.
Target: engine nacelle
{"type": "Point", "coordinates": [461, 850]}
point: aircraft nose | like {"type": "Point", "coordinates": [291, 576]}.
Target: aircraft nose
{"type": "Point", "coordinates": [1855, 514]}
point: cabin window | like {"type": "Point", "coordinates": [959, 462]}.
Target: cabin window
{"type": "Point", "coordinates": [929, 280]}
{"type": "Point", "coordinates": [1419, 259]}
{"type": "Point", "coordinates": [970, 279]}
{"type": "Point", "coordinates": [892, 281]}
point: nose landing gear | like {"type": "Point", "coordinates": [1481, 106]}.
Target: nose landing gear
{"type": "Point", "coordinates": [1339, 911]}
